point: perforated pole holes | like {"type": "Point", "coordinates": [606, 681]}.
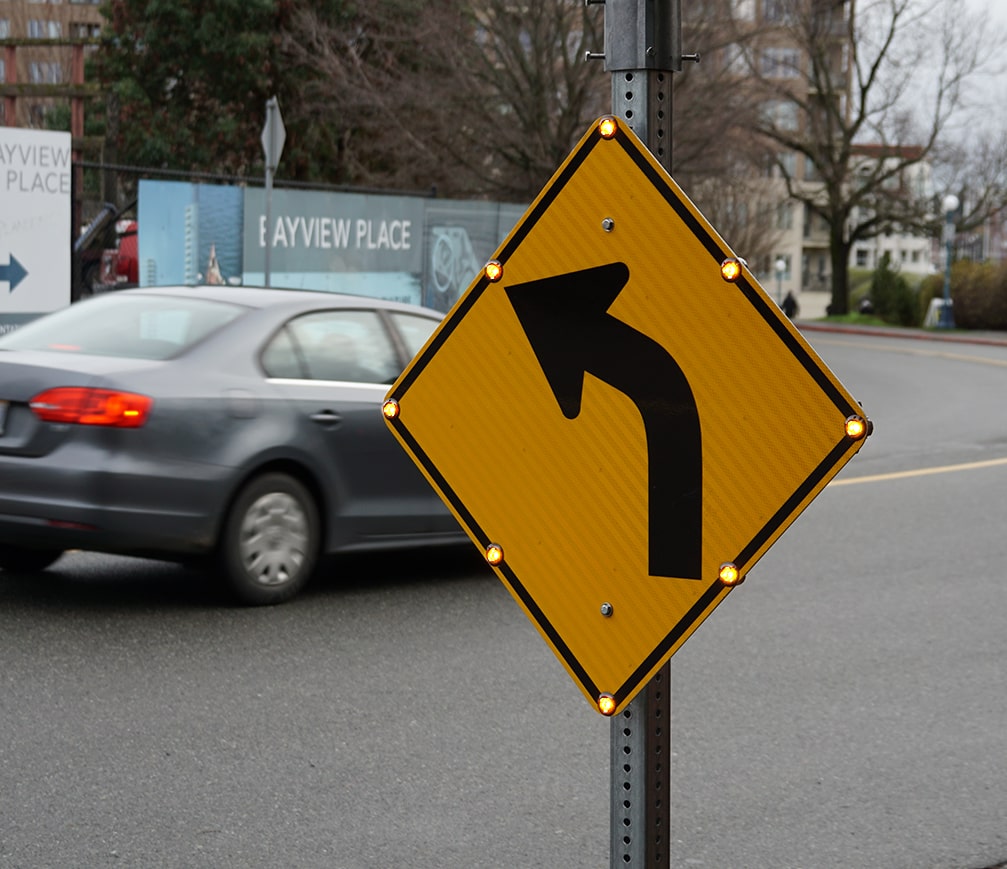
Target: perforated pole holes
{"type": "Point", "coordinates": [641, 780]}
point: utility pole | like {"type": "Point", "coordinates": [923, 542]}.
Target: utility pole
{"type": "Point", "coordinates": [643, 48]}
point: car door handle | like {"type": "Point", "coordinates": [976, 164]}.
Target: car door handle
{"type": "Point", "coordinates": [327, 418]}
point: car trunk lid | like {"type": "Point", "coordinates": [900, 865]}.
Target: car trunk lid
{"type": "Point", "coordinates": [26, 374]}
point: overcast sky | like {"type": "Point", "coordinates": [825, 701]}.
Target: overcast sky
{"type": "Point", "coordinates": [986, 93]}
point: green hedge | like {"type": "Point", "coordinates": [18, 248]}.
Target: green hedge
{"type": "Point", "coordinates": [979, 293]}
{"type": "Point", "coordinates": [894, 300]}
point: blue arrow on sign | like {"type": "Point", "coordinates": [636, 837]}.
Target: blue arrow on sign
{"type": "Point", "coordinates": [13, 273]}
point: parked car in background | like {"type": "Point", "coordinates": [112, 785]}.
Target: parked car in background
{"type": "Point", "coordinates": [106, 253]}
{"type": "Point", "coordinates": [235, 424]}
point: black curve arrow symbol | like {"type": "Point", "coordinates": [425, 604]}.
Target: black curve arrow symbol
{"type": "Point", "coordinates": [567, 323]}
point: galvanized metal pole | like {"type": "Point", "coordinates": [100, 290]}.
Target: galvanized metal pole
{"type": "Point", "coordinates": [267, 263]}
{"type": "Point", "coordinates": [643, 47]}
{"type": "Point", "coordinates": [273, 136]}
{"type": "Point", "coordinates": [640, 819]}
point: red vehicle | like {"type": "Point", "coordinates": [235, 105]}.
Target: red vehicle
{"type": "Point", "coordinates": [120, 266]}
{"type": "Point", "coordinates": [106, 255]}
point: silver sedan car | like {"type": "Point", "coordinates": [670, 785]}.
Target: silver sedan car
{"type": "Point", "coordinates": [230, 424]}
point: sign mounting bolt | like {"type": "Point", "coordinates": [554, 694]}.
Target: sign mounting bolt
{"type": "Point", "coordinates": [606, 609]}
{"type": "Point", "coordinates": [608, 224]}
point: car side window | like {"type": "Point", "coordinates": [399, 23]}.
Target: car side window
{"type": "Point", "coordinates": [414, 329]}
{"type": "Point", "coordinates": [281, 359]}
{"type": "Point", "coordinates": [348, 345]}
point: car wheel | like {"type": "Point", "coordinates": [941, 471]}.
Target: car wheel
{"type": "Point", "coordinates": [19, 559]}
{"type": "Point", "coordinates": [271, 540]}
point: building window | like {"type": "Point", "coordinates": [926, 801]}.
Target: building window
{"type": "Point", "coordinates": [861, 258]}
{"type": "Point", "coordinates": [785, 215]}
{"type": "Point", "coordinates": [45, 72]}
{"type": "Point", "coordinates": [4, 28]}
{"type": "Point", "coordinates": [787, 163]}
{"type": "Point", "coordinates": [781, 114]}
{"type": "Point", "coordinates": [743, 10]}
{"type": "Point", "coordinates": [84, 30]}
{"type": "Point", "coordinates": [777, 11]}
{"type": "Point", "coordinates": [780, 63]}
{"type": "Point", "coordinates": [38, 29]}
{"type": "Point", "coordinates": [736, 59]}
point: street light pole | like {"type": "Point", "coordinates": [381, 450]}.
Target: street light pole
{"type": "Point", "coordinates": [781, 267]}
{"type": "Point", "coordinates": [950, 205]}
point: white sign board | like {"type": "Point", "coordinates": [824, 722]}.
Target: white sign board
{"type": "Point", "coordinates": [35, 203]}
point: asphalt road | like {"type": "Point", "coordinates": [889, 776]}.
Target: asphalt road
{"type": "Point", "coordinates": [844, 708]}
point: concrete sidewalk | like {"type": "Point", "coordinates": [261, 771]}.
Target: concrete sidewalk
{"type": "Point", "coordinates": [951, 336]}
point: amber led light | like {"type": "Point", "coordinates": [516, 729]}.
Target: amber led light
{"type": "Point", "coordinates": [857, 427]}
{"type": "Point", "coordinates": [729, 574]}
{"type": "Point", "coordinates": [730, 270]}
{"type": "Point", "coordinates": [494, 554]}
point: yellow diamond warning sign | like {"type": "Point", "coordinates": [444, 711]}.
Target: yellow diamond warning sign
{"type": "Point", "coordinates": [623, 431]}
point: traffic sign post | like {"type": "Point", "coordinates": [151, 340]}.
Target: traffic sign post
{"type": "Point", "coordinates": [624, 422]}
{"type": "Point", "coordinates": [643, 48]}
{"type": "Point", "coordinates": [618, 420]}
{"type": "Point", "coordinates": [274, 135]}
{"type": "Point", "coordinates": [623, 431]}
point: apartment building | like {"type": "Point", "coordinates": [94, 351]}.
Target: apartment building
{"type": "Point", "coordinates": [913, 254]}
{"type": "Point", "coordinates": [37, 57]}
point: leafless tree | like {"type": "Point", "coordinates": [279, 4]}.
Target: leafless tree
{"type": "Point", "coordinates": [884, 73]}
{"type": "Point", "coordinates": [974, 168]}
{"type": "Point", "coordinates": [716, 157]}
{"type": "Point", "coordinates": [476, 98]}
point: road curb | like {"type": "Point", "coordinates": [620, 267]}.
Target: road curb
{"type": "Point", "coordinates": [991, 339]}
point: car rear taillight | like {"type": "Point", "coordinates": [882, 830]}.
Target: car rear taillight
{"type": "Point", "coordinates": [84, 406]}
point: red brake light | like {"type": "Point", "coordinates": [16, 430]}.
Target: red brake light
{"type": "Point", "coordinates": [84, 406]}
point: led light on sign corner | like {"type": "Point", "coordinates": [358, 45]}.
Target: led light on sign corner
{"type": "Point", "coordinates": [606, 704]}
{"type": "Point", "coordinates": [730, 270]}
{"type": "Point", "coordinates": [390, 409]}
{"type": "Point", "coordinates": [730, 575]}
{"type": "Point", "coordinates": [608, 127]}
{"type": "Point", "coordinates": [494, 554]}
{"type": "Point", "coordinates": [493, 270]}
{"type": "Point", "coordinates": [857, 427]}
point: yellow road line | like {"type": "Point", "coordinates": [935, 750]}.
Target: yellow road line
{"type": "Point", "coordinates": [920, 472]}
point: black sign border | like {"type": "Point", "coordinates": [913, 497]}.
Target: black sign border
{"type": "Point", "coordinates": [716, 590]}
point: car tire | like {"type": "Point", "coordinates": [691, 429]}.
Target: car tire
{"type": "Point", "coordinates": [20, 559]}
{"type": "Point", "coordinates": [270, 541]}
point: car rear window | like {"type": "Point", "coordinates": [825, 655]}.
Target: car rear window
{"type": "Point", "coordinates": [133, 327]}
